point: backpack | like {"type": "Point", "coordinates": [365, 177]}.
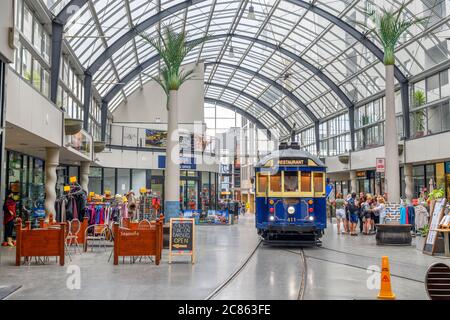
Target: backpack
{"type": "Point", "coordinates": [352, 208]}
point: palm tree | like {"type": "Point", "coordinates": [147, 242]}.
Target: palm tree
{"type": "Point", "coordinates": [388, 26]}
{"type": "Point", "coordinates": [172, 48]}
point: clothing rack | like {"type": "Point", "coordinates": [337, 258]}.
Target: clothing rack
{"type": "Point", "coordinates": [71, 205]}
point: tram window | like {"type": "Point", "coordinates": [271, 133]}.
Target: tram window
{"type": "Point", "coordinates": [318, 182]}
{"type": "Point", "coordinates": [306, 181]}
{"type": "Point", "coordinates": [290, 181]}
{"type": "Point", "coordinates": [262, 183]}
{"type": "Point", "coordinates": [275, 182]}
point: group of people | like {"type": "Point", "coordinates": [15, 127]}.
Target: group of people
{"type": "Point", "coordinates": [365, 209]}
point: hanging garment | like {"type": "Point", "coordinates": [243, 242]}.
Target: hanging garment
{"type": "Point", "coordinates": [412, 217]}
{"type": "Point", "coordinates": [421, 216]}
{"type": "Point", "coordinates": [402, 215]}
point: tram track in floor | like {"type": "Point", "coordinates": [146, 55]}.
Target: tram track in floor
{"type": "Point", "coordinates": [349, 265]}
{"type": "Point", "coordinates": [235, 274]}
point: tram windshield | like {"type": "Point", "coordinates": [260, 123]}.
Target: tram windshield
{"type": "Point", "coordinates": [290, 181]}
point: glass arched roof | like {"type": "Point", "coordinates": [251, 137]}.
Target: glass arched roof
{"type": "Point", "coordinates": [288, 24]}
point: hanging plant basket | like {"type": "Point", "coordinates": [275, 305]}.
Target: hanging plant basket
{"type": "Point", "coordinates": [99, 146]}
{"type": "Point", "coordinates": [72, 126]}
{"type": "Point", "coordinates": [400, 149]}
{"type": "Point", "coordinates": [344, 158]}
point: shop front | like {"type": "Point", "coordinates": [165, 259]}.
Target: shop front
{"type": "Point", "coordinates": [198, 190]}
{"type": "Point", "coordinates": [369, 181]}
{"type": "Point", "coordinates": [25, 179]}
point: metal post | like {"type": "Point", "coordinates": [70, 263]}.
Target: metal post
{"type": "Point", "coordinates": [87, 99]}
{"type": "Point", "coordinates": [57, 35]}
{"type": "Point", "coordinates": [405, 109]}
{"type": "Point", "coordinates": [104, 120]}
{"type": "Point", "coordinates": [317, 135]}
{"type": "Point", "coordinates": [351, 119]}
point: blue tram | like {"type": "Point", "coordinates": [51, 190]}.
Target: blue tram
{"type": "Point", "coordinates": [291, 197]}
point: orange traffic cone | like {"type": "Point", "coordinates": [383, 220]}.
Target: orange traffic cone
{"type": "Point", "coordinates": [386, 290]}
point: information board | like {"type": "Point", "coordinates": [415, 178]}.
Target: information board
{"type": "Point", "coordinates": [182, 235]}
{"type": "Point", "coordinates": [438, 208]}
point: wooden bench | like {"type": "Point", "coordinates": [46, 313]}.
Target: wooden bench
{"type": "Point", "coordinates": [45, 242]}
{"type": "Point", "coordinates": [394, 234]}
{"type": "Point", "coordinates": [138, 242]}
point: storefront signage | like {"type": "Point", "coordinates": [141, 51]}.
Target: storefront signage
{"type": "Point", "coordinates": [182, 233]}
{"type": "Point", "coordinates": [293, 162]}
{"type": "Point", "coordinates": [380, 165]}
{"type": "Point", "coordinates": [186, 163]}
{"type": "Point", "coordinates": [361, 174]}
{"type": "Point", "coordinates": [438, 211]}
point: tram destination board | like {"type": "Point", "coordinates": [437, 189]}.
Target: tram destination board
{"type": "Point", "coordinates": [182, 233]}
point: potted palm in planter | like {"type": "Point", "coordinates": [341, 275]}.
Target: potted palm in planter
{"type": "Point", "coordinates": [420, 240]}
{"type": "Point", "coordinates": [172, 48]}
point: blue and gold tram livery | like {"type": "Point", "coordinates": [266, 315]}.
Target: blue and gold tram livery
{"type": "Point", "coordinates": [291, 197]}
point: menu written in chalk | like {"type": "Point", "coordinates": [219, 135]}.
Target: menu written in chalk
{"type": "Point", "coordinates": [182, 237]}
{"type": "Point", "coordinates": [438, 212]}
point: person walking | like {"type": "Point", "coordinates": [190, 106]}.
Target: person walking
{"type": "Point", "coordinates": [9, 211]}
{"type": "Point", "coordinates": [353, 210]}
{"type": "Point", "coordinates": [340, 212]}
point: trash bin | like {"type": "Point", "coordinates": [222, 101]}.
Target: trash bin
{"type": "Point", "coordinates": [231, 218]}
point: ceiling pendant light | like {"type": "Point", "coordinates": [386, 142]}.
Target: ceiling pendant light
{"type": "Point", "coordinates": [251, 12]}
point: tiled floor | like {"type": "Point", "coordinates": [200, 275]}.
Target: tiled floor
{"type": "Point", "coordinates": [338, 270]}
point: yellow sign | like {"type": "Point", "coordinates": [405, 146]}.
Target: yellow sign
{"type": "Point", "coordinates": [361, 174]}
{"type": "Point", "coordinates": [292, 162]}
{"type": "Point", "coordinates": [73, 179]}
{"type": "Point", "coordinates": [66, 188]}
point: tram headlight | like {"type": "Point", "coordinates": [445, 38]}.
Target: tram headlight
{"type": "Point", "coordinates": [311, 218]}
{"type": "Point", "coordinates": [291, 210]}
{"type": "Point", "coordinates": [271, 218]}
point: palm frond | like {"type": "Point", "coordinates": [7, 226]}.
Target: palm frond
{"type": "Point", "coordinates": [173, 47]}
{"type": "Point", "coordinates": [389, 26]}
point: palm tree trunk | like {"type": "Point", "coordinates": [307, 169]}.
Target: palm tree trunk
{"type": "Point", "coordinates": [172, 174]}
{"type": "Point", "coordinates": [392, 174]}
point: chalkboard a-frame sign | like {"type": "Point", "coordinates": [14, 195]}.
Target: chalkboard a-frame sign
{"type": "Point", "coordinates": [437, 212]}
{"type": "Point", "coordinates": [182, 235]}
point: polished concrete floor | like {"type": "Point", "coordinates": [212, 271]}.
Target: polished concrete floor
{"type": "Point", "coordinates": [338, 270]}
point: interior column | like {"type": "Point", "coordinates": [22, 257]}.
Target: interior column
{"type": "Point", "coordinates": [408, 182]}
{"type": "Point", "coordinates": [51, 163]}
{"type": "Point", "coordinates": [84, 175]}
{"type": "Point", "coordinates": [352, 181]}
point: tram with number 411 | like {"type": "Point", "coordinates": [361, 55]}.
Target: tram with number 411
{"type": "Point", "coordinates": [291, 197]}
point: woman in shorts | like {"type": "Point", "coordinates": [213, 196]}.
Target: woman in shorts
{"type": "Point", "coordinates": [340, 212]}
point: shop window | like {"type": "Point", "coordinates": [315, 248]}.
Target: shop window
{"type": "Point", "coordinates": [109, 180]}
{"type": "Point", "coordinates": [318, 182]}
{"type": "Point", "coordinates": [306, 181]}
{"type": "Point", "coordinates": [139, 180]}
{"type": "Point", "coordinates": [262, 182]}
{"type": "Point", "coordinates": [290, 181]}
